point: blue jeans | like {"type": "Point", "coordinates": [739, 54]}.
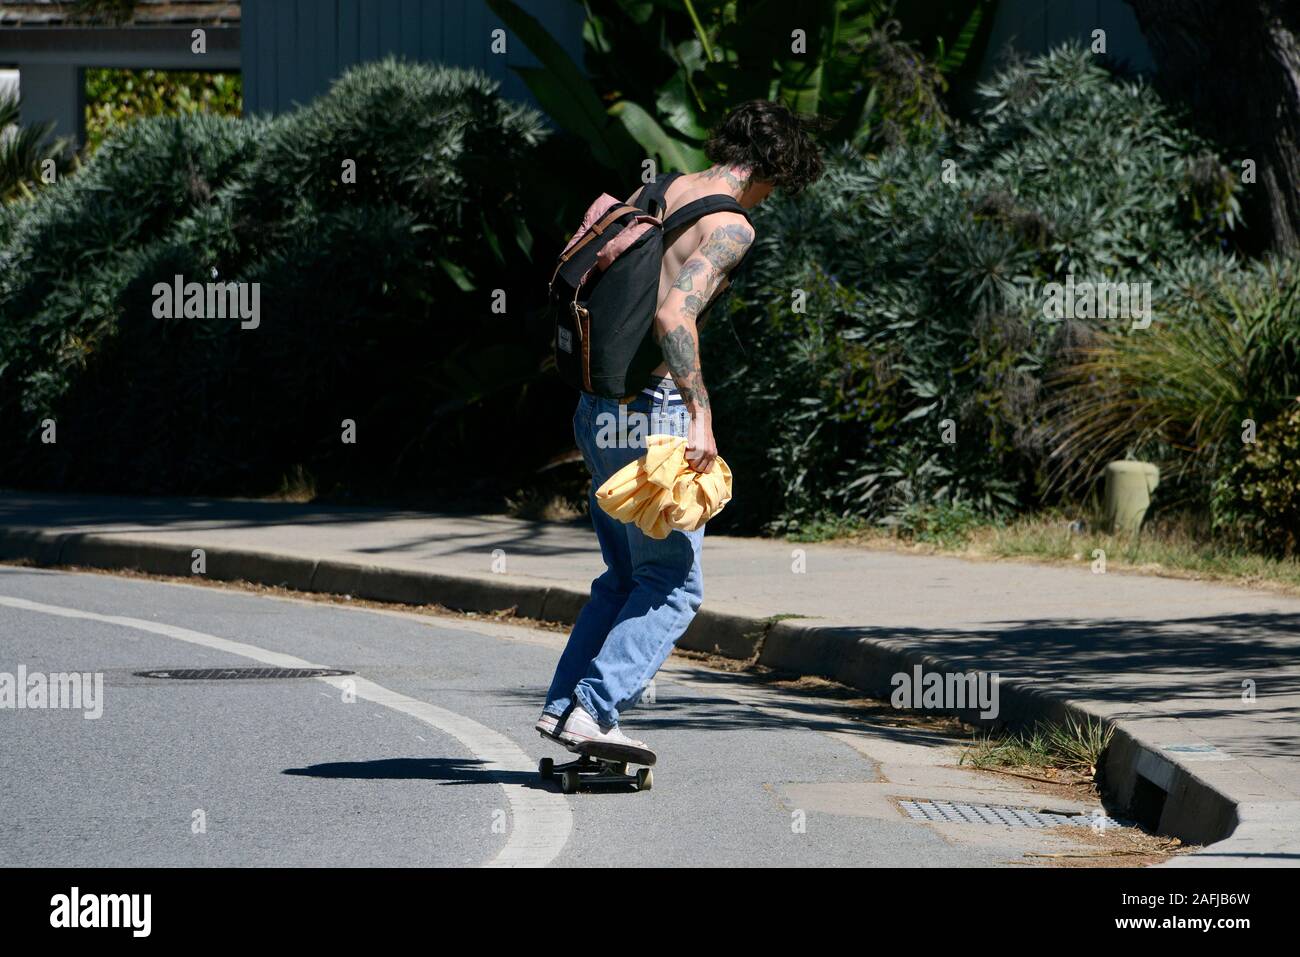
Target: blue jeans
{"type": "Point", "coordinates": [650, 590]}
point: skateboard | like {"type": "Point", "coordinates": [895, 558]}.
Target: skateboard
{"type": "Point", "coordinates": [597, 770]}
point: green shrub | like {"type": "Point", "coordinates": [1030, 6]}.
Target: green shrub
{"type": "Point", "coordinates": [1257, 499]}
{"type": "Point", "coordinates": [66, 254]}
{"type": "Point", "coordinates": [375, 299]}
{"type": "Point", "coordinates": [917, 372]}
{"type": "Point", "coordinates": [116, 97]}
{"type": "Point", "coordinates": [436, 141]}
{"type": "Point", "coordinates": [1224, 347]}
{"type": "Point", "coordinates": [947, 524]}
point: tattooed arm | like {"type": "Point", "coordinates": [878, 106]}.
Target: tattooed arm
{"type": "Point", "coordinates": [698, 280]}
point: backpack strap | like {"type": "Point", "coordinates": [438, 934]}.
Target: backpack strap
{"type": "Point", "coordinates": [652, 197]}
{"type": "Point", "coordinates": [715, 203]}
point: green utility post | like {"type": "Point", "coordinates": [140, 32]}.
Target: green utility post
{"type": "Point", "coordinates": [1128, 494]}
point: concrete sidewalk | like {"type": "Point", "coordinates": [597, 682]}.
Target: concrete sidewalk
{"type": "Point", "coordinates": [1166, 660]}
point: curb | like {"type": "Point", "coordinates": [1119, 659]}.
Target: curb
{"type": "Point", "coordinates": [1156, 791]}
{"type": "Point", "coordinates": [1160, 792]}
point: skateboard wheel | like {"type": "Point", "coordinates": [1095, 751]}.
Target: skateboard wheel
{"type": "Point", "coordinates": [569, 783]}
{"type": "Point", "coordinates": [645, 779]}
{"type": "Point", "coordinates": [546, 768]}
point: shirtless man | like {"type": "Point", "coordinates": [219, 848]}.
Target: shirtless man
{"type": "Point", "coordinates": [651, 589]}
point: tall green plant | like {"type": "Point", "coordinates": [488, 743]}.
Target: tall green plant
{"type": "Point", "coordinates": [26, 152]}
{"type": "Point", "coordinates": [669, 69]}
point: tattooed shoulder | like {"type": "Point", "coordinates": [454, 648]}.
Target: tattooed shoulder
{"type": "Point", "coordinates": [727, 244]}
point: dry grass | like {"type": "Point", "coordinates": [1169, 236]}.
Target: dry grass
{"type": "Point", "coordinates": [1171, 547]}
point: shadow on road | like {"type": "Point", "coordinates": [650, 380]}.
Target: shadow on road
{"type": "Point", "coordinates": [446, 770]}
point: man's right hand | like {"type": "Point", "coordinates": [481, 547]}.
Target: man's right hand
{"type": "Point", "coordinates": [701, 450]}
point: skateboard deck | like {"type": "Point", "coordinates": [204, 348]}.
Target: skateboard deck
{"type": "Point", "coordinates": [599, 765]}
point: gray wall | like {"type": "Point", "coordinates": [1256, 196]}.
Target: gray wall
{"type": "Point", "coordinates": [292, 49]}
{"type": "Point", "coordinates": [51, 62]}
{"type": "Point", "coordinates": [1035, 26]}
{"type": "Point", "coordinates": [53, 92]}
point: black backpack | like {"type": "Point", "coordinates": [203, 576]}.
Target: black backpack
{"type": "Point", "coordinates": [604, 340]}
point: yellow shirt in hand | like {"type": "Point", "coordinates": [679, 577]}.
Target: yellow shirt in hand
{"type": "Point", "coordinates": [660, 491]}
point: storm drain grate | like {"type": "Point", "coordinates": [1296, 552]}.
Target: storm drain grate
{"type": "Point", "coordinates": [955, 813]}
{"type": "Point", "coordinates": [199, 674]}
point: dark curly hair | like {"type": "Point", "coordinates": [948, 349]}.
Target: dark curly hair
{"type": "Point", "coordinates": [774, 142]}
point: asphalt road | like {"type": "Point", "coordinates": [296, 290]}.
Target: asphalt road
{"type": "Point", "coordinates": [425, 756]}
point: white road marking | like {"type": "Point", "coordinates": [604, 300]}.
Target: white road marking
{"type": "Point", "coordinates": [542, 819]}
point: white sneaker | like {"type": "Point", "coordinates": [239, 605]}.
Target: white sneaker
{"type": "Point", "coordinates": [582, 728]}
{"type": "Point", "coordinates": [548, 725]}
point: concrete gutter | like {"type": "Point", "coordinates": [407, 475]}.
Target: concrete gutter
{"type": "Point", "coordinates": [1161, 788]}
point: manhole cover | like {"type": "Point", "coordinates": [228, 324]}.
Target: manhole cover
{"type": "Point", "coordinates": [954, 813]}
{"type": "Point", "coordinates": [201, 674]}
